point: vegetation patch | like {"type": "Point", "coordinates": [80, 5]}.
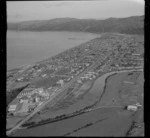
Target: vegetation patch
{"type": "Point", "coordinates": [63, 71]}
{"type": "Point", "coordinates": [11, 95]}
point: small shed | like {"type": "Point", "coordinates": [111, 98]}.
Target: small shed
{"type": "Point", "coordinates": [12, 108]}
{"type": "Point", "coordinates": [132, 107]}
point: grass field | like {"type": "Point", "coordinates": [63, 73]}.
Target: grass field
{"type": "Point", "coordinates": [45, 82]}
{"type": "Point", "coordinates": [69, 125]}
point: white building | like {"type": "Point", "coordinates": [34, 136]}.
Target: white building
{"type": "Point", "coordinates": [132, 107]}
{"type": "Point", "coordinates": [12, 108]}
{"type": "Point", "coordinates": [61, 82]}
{"type": "Point", "coordinates": [128, 82]}
{"type": "Point", "coordinates": [19, 79]}
{"type": "Point", "coordinates": [37, 99]}
{"type": "Point", "coordinates": [40, 90]}
{"type": "Point", "coordinates": [49, 88]}
{"type": "Point", "coordinates": [44, 75]}
{"type": "Point", "coordinates": [79, 81]}
{"type": "Point", "coordinates": [136, 54]}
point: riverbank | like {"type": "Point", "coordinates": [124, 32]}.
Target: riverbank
{"type": "Point", "coordinates": [104, 79]}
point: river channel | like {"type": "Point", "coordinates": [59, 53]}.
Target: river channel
{"type": "Point", "coordinates": [61, 128]}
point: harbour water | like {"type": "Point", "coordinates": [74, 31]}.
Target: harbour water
{"type": "Point", "coordinates": [24, 47]}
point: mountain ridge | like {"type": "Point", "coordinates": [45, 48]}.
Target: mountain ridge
{"type": "Point", "coordinates": [129, 25]}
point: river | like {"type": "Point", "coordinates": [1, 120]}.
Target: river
{"type": "Point", "coordinates": [24, 47]}
{"type": "Point", "coordinates": [74, 122]}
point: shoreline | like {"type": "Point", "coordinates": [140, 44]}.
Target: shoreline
{"type": "Point", "coordinates": [44, 59]}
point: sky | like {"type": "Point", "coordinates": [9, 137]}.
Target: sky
{"type": "Point", "coordinates": [45, 10]}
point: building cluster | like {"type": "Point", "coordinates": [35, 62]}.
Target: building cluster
{"type": "Point", "coordinates": [128, 62]}
{"type": "Point", "coordinates": [27, 101]}
{"type": "Point", "coordinates": [12, 74]}
{"type": "Point", "coordinates": [89, 75]}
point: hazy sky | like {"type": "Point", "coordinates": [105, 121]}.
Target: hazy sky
{"type": "Point", "coordinates": [44, 10]}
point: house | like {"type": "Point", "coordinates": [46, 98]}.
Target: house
{"type": "Point", "coordinates": [49, 88]}
{"type": "Point", "coordinates": [128, 82]}
{"type": "Point", "coordinates": [22, 94]}
{"type": "Point", "coordinates": [138, 104]}
{"type": "Point", "coordinates": [37, 99]}
{"type": "Point", "coordinates": [87, 64]}
{"type": "Point", "coordinates": [20, 79]}
{"type": "Point", "coordinates": [79, 81]}
{"type": "Point", "coordinates": [94, 76]}
{"type": "Point", "coordinates": [12, 108]}
{"type": "Point", "coordinates": [132, 107]}
{"type": "Point", "coordinates": [44, 75]}
{"type": "Point", "coordinates": [136, 54]}
{"type": "Point", "coordinates": [40, 90]}
{"type": "Point", "coordinates": [45, 94]}
{"type": "Point", "coordinates": [61, 82]}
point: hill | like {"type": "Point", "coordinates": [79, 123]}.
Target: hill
{"type": "Point", "coordinates": [129, 25]}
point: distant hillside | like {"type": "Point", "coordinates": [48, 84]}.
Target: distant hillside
{"type": "Point", "coordinates": [130, 25]}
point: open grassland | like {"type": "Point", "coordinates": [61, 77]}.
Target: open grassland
{"type": "Point", "coordinates": [13, 121]}
{"type": "Point", "coordinates": [116, 125]}
{"type": "Point", "coordinates": [45, 82]}
{"type": "Point", "coordinates": [48, 72]}
{"type": "Point", "coordinates": [61, 128]}
{"type": "Point", "coordinates": [63, 71]}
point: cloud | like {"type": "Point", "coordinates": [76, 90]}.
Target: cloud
{"type": "Point", "coordinates": [42, 10]}
{"type": "Point", "coordinates": [56, 4]}
{"type": "Point", "coordinates": [66, 3]}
